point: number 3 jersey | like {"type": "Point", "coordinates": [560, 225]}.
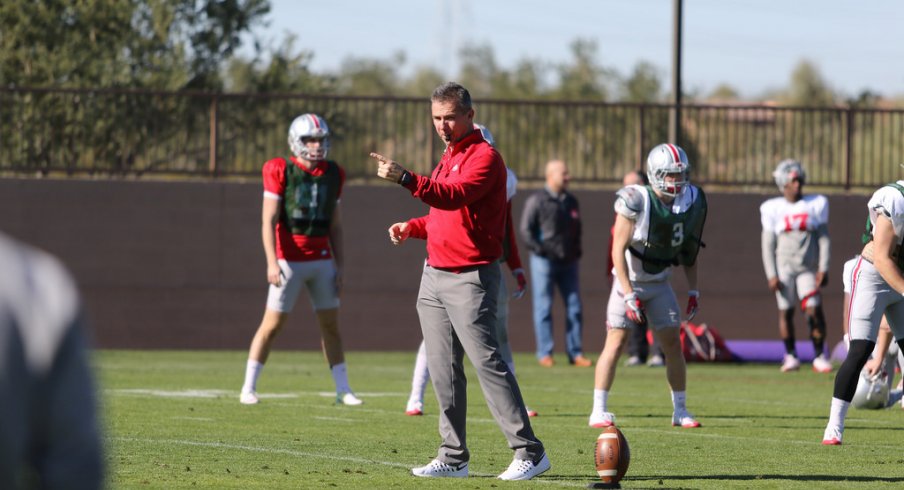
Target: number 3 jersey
{"type": "Point", "coordinates": [795, 234]}
{"type": "Point", "coordinates": [664, 234]}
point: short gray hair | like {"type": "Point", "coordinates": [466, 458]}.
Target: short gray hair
{"type": "Point", "coordinates": [455, 93]}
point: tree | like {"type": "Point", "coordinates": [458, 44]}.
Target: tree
{"type": "Point", "coordinates": [644, 84]}
{"type": "Point", "coordinates": [164, 44]}
{"type": "Point", "coordinates": [808, 88]}
{"type": "Point", "coordinates": [584, 79]}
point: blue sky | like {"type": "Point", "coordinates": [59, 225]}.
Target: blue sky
{"type": "Point", "coordinates": [752, 45]}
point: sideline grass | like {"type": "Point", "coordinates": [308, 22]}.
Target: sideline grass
{"type": "Point", "coordinates": [173, 421]}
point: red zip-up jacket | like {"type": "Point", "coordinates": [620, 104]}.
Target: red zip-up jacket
{"type": "Point", "coordinates": [466, 195]}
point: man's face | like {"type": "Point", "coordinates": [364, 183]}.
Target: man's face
{"type": "Point", "coordinates": [451, 125]}
{"type": "Point", "coordinates": [557, 175]}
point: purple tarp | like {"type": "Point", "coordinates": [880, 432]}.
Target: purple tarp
{"type": "Point", "coordinates": [774, 350]}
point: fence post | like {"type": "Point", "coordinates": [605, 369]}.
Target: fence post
{"type": "Point", "coordinates": [848, 150]}
{"type": "Point", "coordinates": [212, 156]}
{"type": "Point", "coordinates": [638, 165]}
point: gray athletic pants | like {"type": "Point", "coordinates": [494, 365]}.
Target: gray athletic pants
{"type": "Point", "coordinates": [457, 312]}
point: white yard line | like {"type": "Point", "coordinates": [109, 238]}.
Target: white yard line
{"type": "Point", "coordinates": [291, 452]}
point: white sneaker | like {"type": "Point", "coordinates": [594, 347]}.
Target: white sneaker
{"type": "Point", "coordinates": [414, 408]}
{"type": "Point", "coordinates": [633, 361]}
{"type": "Point", "coordinates": [525, 469]}
{"type": "Point", "coordinates": [348, 398]}
{"type": "Point", "coordinates": [832, 436]}
{"type": "Point", "coordinates": [684, 419]}
{"type": "Point", "coordinates": [822, 365]}
{"type": "Point", "coordinates": [656, 361]}
{"type": "Point", "coordinates": [600, 419]}
{"type": "Point", "coordinates": [790, 363]}
{"type": "Point", "coordinates": [438, 469]}
{"type": "Point", "coordinates": [248, 398]}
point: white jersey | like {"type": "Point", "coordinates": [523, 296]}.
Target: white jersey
{"type": "Point", "coordinates": [633, 202]}
{"type": "Point", "coordinates": [795, 234]}
{"type": "Point", "coordinates": [889, 202]}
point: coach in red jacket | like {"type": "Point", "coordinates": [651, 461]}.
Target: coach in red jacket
{"type": "Point", "coordinates": [457, 299]}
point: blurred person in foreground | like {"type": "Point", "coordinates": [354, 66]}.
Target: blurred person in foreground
{"type": "Point", "coordinates": [795, 245]}
{"type": "Point", "coordinates": [510, 256]}
{"type": "Point", "coordinates": [551, 228]}
{"type": "Point", "coordinates": [49, 429]}
{"type": "Point", "coordinates": [302, 237]}
{"type": "Point", "coordinates": [457, 300]}
{"type": "Point", "coordinates": [877, 286]}
{"type": "Point", "coordinates": [656, 227]}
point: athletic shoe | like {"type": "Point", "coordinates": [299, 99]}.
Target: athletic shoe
{"type": "Point", "coordinates": [684, 419]}
{"type": "Point", "coordinates": [832, 436]}
{"type": "Point", "coordinates": [600, 419]}
{"type": "Point", "coordinates": [633, 361]}
{"type": "Point", "coordinates": [414, 408]}
{"type": "Point", "coordinates": [656, 361]}
{"type": "Point", "coordinates": [547, 361]}
{"type": "Point", "coordinates": [531, 413]}
{"type": "Point", "coordinates": [348, 398]}
{"type": "Point", "coordinates": [248, 398]}
{"type": "Point", "coordinates": [438, 469]}
{"type": "Point", "coordinates": [581, 361]}
{"type": "Point", "coordinates": [790, 363]}
{"type": "Point", "coordinates": [525, 469]}
{"type": "Point", "coordinates": [822, 365]}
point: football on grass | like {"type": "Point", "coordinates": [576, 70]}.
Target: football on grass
{"type": "Point", "coordinates": [612, 455]}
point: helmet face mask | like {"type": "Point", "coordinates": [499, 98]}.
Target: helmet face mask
{"type": "Point", "coordinates": [304, 129]}
{"type": "Point", "coordinates": [788, 170]}
{"type": "Point", "coordinates": [667, 169]}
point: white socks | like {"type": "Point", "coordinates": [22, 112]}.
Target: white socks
{"type": "Point", "coordinates": [340, 377]}
{"type": "Point", "coordinates": [252, 372]}
{"type": "Point", "coordinates": [421, 375]}
{"type": "Point", "coordinates": [679, 401]}
{"type": "Point", "coordinates": [838, 412]}
{"type": "Point", "coordinates": [600, 399]}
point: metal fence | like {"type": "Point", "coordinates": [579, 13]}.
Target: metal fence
{"type": "Point", "coordinates": [139, 133]}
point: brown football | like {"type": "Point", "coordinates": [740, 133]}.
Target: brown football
{"type": "Point", "coordinates": [612, 455]}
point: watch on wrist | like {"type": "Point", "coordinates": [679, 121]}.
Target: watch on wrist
{"type": "Point", "coordinates": [405, 179]}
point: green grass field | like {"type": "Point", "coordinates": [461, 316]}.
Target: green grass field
{"type": "Point", "coordinates": [173, 421]}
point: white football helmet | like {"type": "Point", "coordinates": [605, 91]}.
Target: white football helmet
{"type": "Point", "coordinates": [788, 170]}
{"type": "Point", "coordinates": [872, 392]}
{"type": "Point", "coordinates": [668, 159]}
{"type": "Point", "coordinates": [486, 133]}
{"type": "Point", "coordinates": [309, 126]}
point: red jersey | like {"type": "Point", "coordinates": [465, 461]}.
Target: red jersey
{"type": "Point", "coordinates": [295, 248]}
{"type": "Point", "coordinates": [466, 195]}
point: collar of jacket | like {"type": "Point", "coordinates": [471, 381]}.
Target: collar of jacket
{"type": "Point", "coordinates": [462, 144]}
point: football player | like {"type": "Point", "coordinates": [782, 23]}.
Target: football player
{"type": "Point", "coordinates": [302, 236]}
{"type": "Point", "coordinates": [795, 244]}
{"type": "Point", "coordinates": [877, 286]}
{"type": "Point", "coordinates": [656, 227]}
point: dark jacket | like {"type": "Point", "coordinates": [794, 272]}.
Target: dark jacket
{"type": "Point", "coordinates": [551, 226]}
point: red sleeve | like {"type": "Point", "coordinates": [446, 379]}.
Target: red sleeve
{"type": "Point", "coordinates": [274, 173]}
{"type": "Point", "coordinates": [341, 180]}
{"type": "Point", "coordinates": [477, 178]}
{"type": "Point", "coordinates": [418, 227]}
{"type": "Point", "coordinates": [514, 258]}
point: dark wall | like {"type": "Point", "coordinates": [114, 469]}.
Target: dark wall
{"type": "Point", "coordinates": [180, 265]}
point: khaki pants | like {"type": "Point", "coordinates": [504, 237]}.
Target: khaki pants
{"type": "Point", "coordinates": [457, 312]}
